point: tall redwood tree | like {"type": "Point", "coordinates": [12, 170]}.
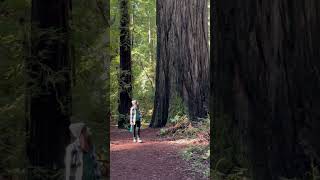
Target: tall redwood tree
{"type": "Point", "coordinates": [182, 58]}
{"type": "Point", "coordinates": [48, 95]}
{"type": "Point", "coordinates": [265, 77]}
{"type": "Point", "coordinates": [125, 81]}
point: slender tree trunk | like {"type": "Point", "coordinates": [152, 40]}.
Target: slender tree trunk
{"type": "Point", "coordinates": [150, 38]}
{"type": "Point", "coordinates": [266, 86]}
{"type": "Point", "coordinates": [125, 64]}
{"type": "Point", "coordinates": [182, 58]}
{"type": "Point", "coordinates": [132, 25]}
{"type": "Point", "coordinates": [48, 98]}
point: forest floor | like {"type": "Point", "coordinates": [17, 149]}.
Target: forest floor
{"type": "Point", "coordinates": [157, 158]}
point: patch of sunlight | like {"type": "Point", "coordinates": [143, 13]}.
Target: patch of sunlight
{"type": "Point", "coordinates": [184, 141]}
{"type": "Point", "coordinates": [150, 111]}
{"type": "Point", "coordinates": [144, 125]}
{"type": "Point", "coordinates": [125, 147]}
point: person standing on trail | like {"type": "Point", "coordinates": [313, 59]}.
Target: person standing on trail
{"type": "Point", "coordinates": [135, 120]}
{"type": "Point", "coordinates": [80, 159]}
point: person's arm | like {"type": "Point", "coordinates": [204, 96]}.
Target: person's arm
{"type": "Point", "coordinates": [131, 119]}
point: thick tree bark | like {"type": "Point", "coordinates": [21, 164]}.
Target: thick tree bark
{"type": "Point", "coordinates": [182, 58]}
{"type": "Point", "coordinates": [162, 92]}
{"type": "Point", "coordinates": [48, 97]}
{"type": "Point", "coordinates": [266, 86]}
{"type": "Point", "coordinates": [191, 59]}
{"type": "Point", "coordinates": [125, 65]}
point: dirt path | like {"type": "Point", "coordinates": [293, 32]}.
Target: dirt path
{"type": "Point", "coordinates": [154, 159]}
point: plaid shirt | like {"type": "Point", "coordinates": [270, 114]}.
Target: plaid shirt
{"type": "Point", "coordinates": [74, 162]}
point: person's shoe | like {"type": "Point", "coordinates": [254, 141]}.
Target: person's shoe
{"type": "Point", "coordinates": [139, 140]}
{"type": "Point", "coordinates": [134, 140]}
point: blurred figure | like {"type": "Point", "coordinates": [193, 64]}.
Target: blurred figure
{"type": "Point", "coordinates": [80, 160]}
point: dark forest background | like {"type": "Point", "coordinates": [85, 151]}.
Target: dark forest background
{"type": "Point", "coordinates": [54, 71]}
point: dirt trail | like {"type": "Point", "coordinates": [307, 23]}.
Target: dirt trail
{"type": "Point", "coordinates": [154, 159]}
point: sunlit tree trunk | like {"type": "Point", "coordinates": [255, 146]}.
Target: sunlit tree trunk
{"type": "Point", "coordinates": [150, 38]}
{"type": "Point", "coordinates": [162, 91]}
{"type": "Point", "coordinates": [48, 95]}
{"type": "Point", "coordinates": [125, 65]}
{"type": "Point", "coordinates": [191, 59]}
{"type": "Point", "coordinates": [132, 25]}
{"type": "Point", "coordinates": [182, 58]}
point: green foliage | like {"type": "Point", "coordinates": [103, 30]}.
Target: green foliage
{"type": "Point", "coordinates": [181, 127]}
{"type": "Point", "coordinates": [13, 33]}
{"type": "Point", "coordinates": [12, 140]}
{"type": "Point", "coordinates": [228, 162]}
{"type": "Point", "coordinates": [227, 171]}
{"type": "Point", "coordinates": [197, 155]}
{"type": "Point", "coordinates": [91, 79]}
{"type": "Point", "coordinates": [199, 158]}
{"type": "Point", "coordinates": [176, 108]}
{"type": "Point", "coordinates": [143, 33]}
{"type": "Point", "coordinates": [175, 119]}
{"type": "Point", "coordinates": [90, 98]}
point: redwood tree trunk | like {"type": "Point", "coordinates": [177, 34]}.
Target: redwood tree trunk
{"type": "Point", "coordinates": [162, 91]}
{"type": "Point", "coordinates": [125, 65]}
{"type": "Point", "coordinates": [182, 58]}
{"type": "Point", "coordinates": [191, 59]}
{"type": "Point", "coordinates": [48, 96]}
{"type": "Point", "coordinates": [266, 86]}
